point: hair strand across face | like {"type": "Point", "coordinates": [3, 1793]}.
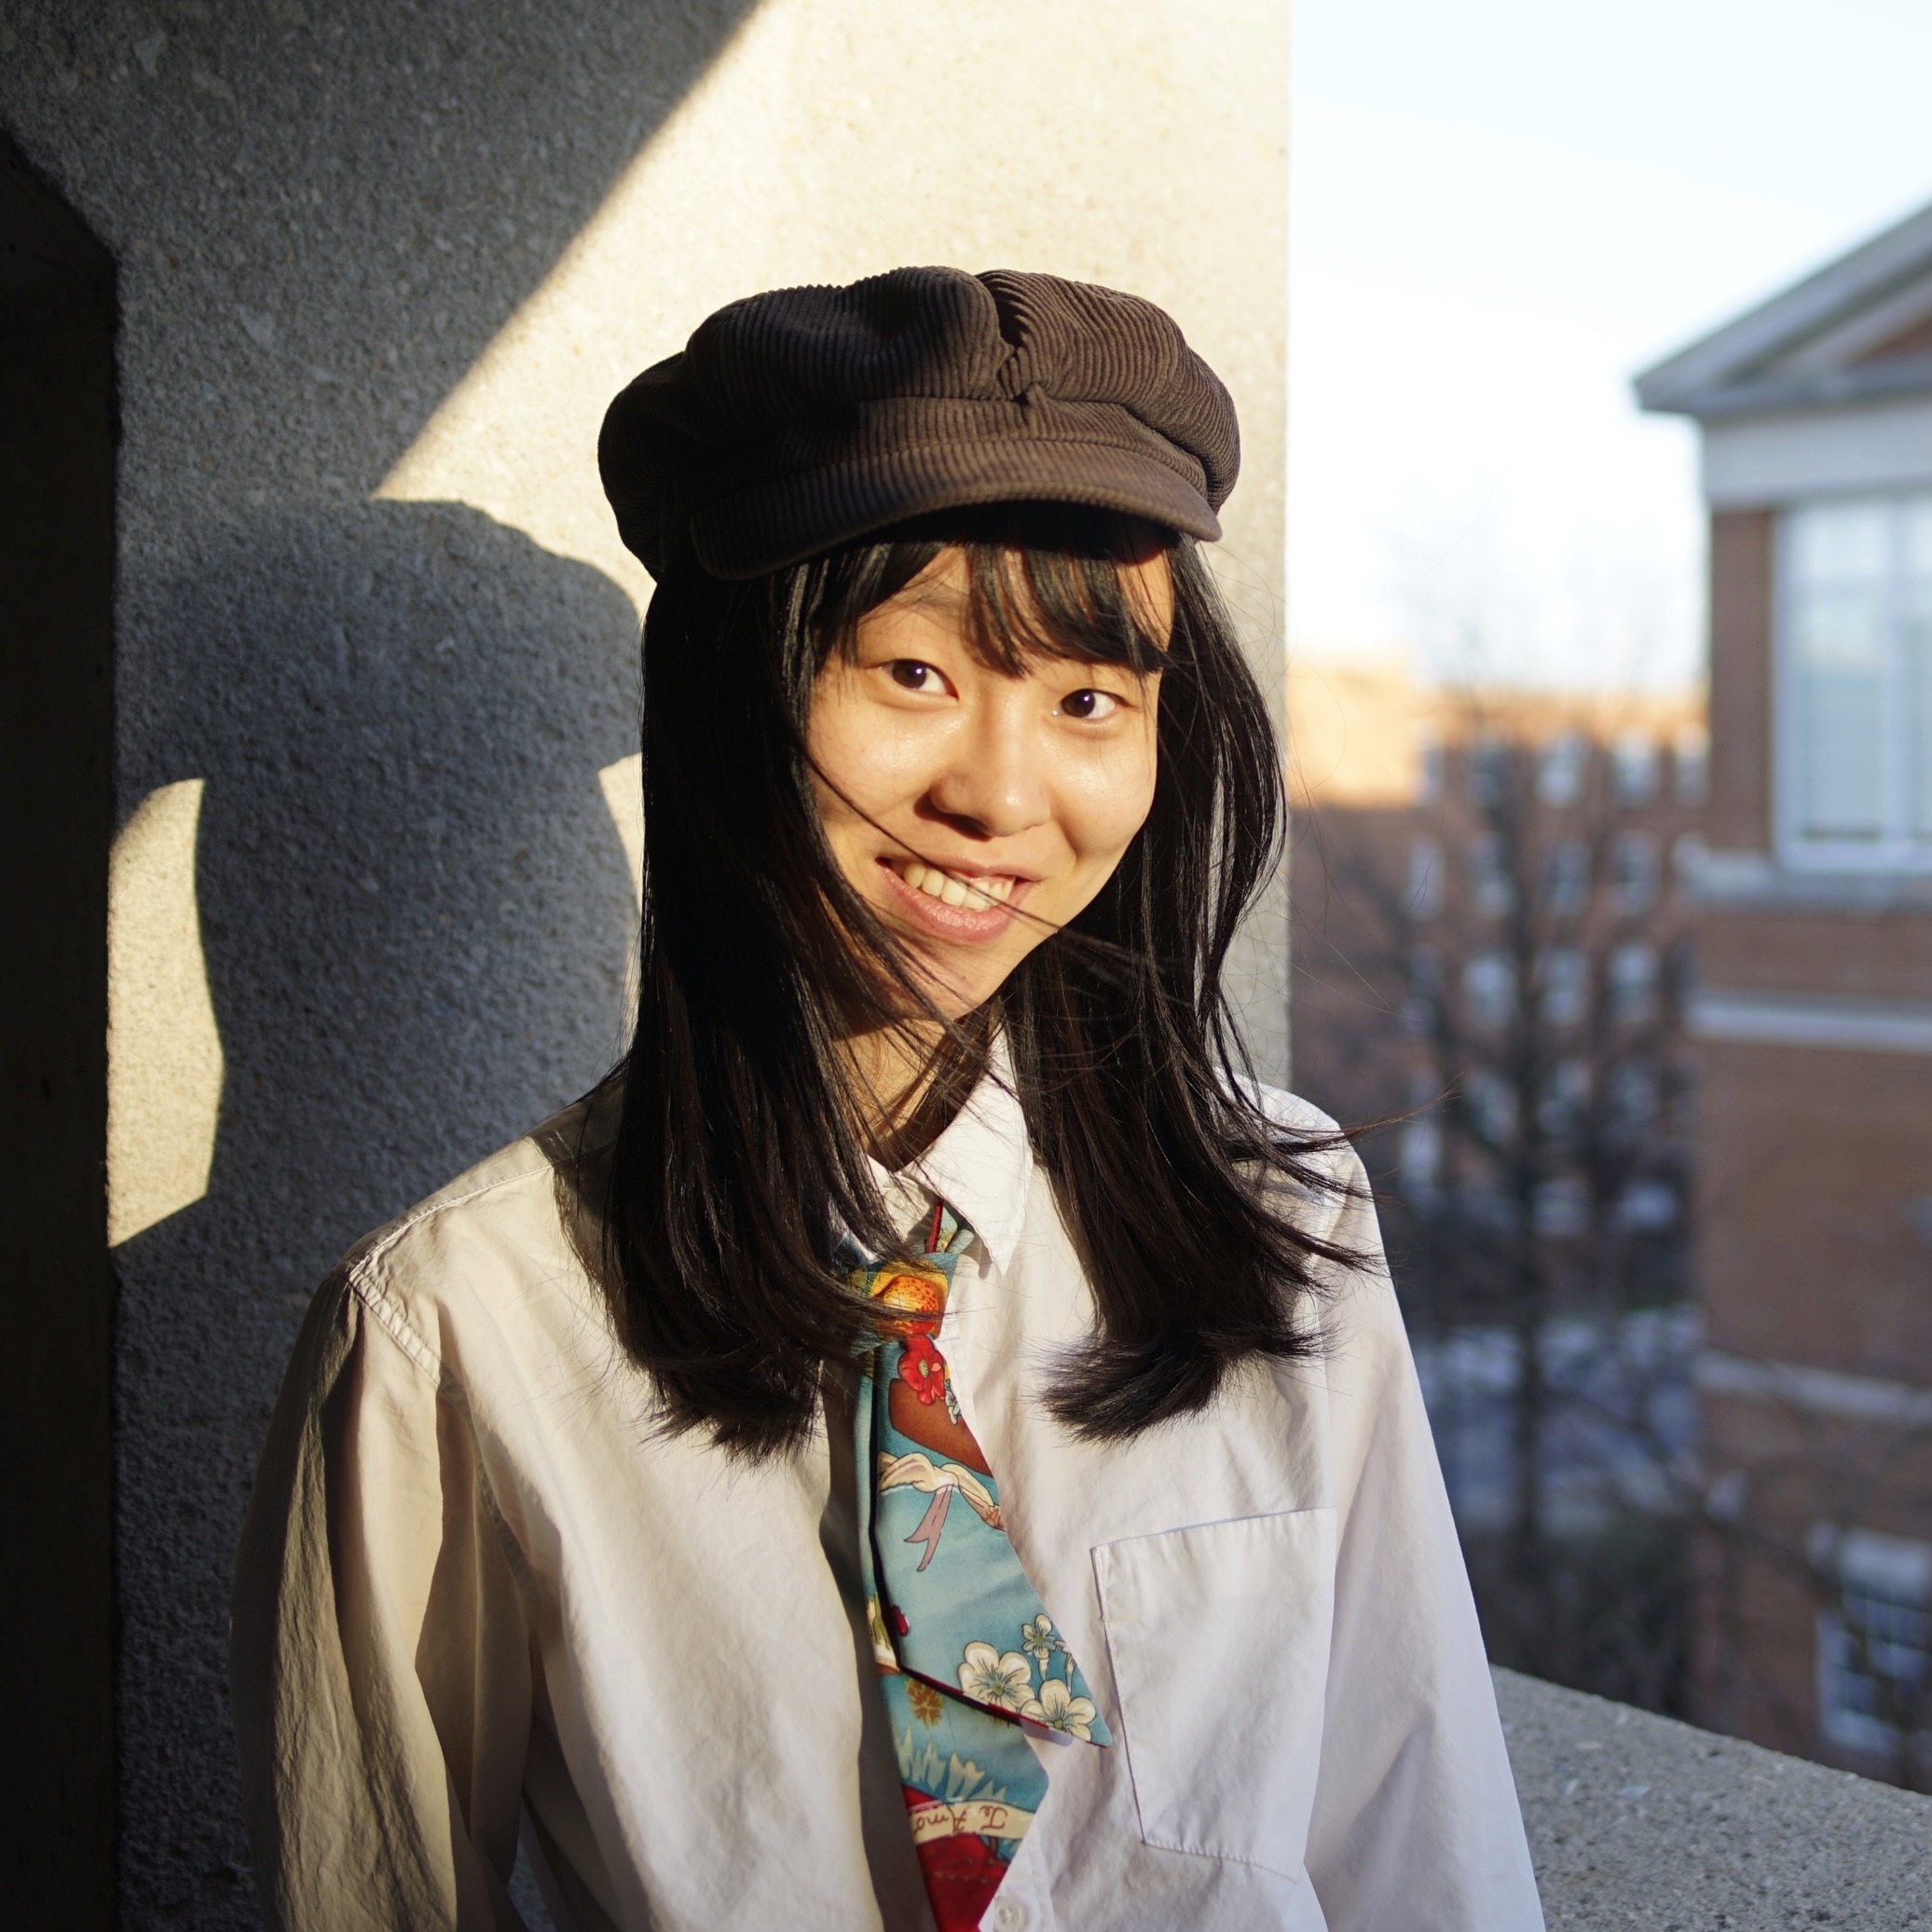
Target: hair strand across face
{"type": "Point", "coordinates": [739, 1151]}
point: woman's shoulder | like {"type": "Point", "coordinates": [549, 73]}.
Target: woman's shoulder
{"type": "Point", "coordinates": [1321, 1141]}
{"type": "Point", "coordinates": [1290, 1110]}
{"type": "Point", "coordinates": [488, 1250]}
{"type": "Point", "coordinates": [1334, 1184]}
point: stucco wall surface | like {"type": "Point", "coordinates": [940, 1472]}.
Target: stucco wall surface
{"type": "Point", "coordinates": [380, 268]}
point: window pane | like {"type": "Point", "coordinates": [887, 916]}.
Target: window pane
{"type": "Point", "coordinates": [1559, 780]}
{"type": "Point", "coordinates": [1489, 772]}
{"type": "Point", "coordinates": [1489, 989]}
{"type": "Point", "coordinates": [1693, 750]}
{"type": "Point", "coordinates": [1492, 1106]}
{"type": "Point", "coordinates": [1430, 783]}
{"type": "Point", "coordinates": [1915, 667]}
{"type": "Point", "coordinates": [1915, 515]}
{"type": "Point", "coordinates": [1425, 879]}
{"type": "Point", "coordinates": [1840, 541]}
{"type": "Point", "coordinates": [1566, 876]}
{"type": "Point", "coordinates": [1634, 869]}
{"type": "Point", "coordinates": [1856, 766]}
{"type": "Point", "coordinates": [1491, 889]}
{"type": "Point", "coordinates": [1633, 980]}
{"type": "Point", "coordinates": [1838, 686]}
{"type": "Point", "coordinates": [1566, 991]}
{"type": "Point", "coordinates": [1634, 765]}
{"type": "Point", "coordinates": [1421, 1160]}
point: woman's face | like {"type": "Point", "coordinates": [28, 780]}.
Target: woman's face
{"type": "Point", "coordinates": [1018, 794]}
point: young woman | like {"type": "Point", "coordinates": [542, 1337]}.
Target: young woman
{"type": "Point", "coordinates": [929, 1441]}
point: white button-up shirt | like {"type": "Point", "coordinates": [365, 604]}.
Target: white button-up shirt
{"type": "Point", "coordinates": [478, 1593]}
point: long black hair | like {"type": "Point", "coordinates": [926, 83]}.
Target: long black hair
{"type": "Point", "coordinates": [741, 1145]}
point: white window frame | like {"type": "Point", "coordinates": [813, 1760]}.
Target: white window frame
{"type": "Point", "coordinates": [1895, 852]}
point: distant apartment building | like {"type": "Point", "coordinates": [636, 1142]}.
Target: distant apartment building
{"type": "Point", "coordinates": [1480, 874]}
{"type": "Point", "coordinates": [1487, 890]}
{"type": "Point", "coordinates": [1813, 1019]}
{"type": "Point", "coordinates": [1491, 957]}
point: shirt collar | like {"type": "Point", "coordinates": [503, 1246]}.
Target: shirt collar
{"type": "Point", "coordinates": [982, 1165]}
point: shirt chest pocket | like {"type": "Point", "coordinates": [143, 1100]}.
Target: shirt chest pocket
{"type": "Point", "coordinates": [1218, 1636]}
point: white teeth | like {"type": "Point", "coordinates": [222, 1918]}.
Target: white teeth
{"type": "Point", "coordinates": [940, 885]}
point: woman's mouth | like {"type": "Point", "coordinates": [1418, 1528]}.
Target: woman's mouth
{"type": "Point", "coordinates": [993, 888]}
{"type": "Point", "coordinates": [954, 905]}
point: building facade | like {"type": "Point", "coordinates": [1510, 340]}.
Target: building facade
{"type": "Point", "coordinates": [1813, 1020]}
{"type": "Point", "coordinates": [1492, 956]}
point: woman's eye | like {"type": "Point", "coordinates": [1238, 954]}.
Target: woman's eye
{"type": "Point", "coordinates": [1090, 706]}
{"type": "Point", "coordinates": [909, 674]}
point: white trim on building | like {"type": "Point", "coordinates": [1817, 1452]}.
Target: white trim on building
{"type": "Point", "coordinates": [1810, 1020]}
{"type": "Point", "coordinates": [1754, 462]}
{"type": "Point", "coordinates": [1818, 1391]}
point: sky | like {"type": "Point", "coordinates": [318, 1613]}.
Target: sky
{"type": "Point", "coordinates": [1499, 211]}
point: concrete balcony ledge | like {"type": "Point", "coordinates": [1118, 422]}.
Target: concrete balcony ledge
{"type": "Point", "coordinates": [1638, 1820]}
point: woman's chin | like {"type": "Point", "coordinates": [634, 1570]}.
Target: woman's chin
{"type": "Point", "coordinates": [958, 987]}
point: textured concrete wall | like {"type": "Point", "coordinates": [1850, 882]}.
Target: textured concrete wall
{"type": "Point", "coordinates": [1634, 1820]}
{"type": "Point", "coordinates": [380, 266]}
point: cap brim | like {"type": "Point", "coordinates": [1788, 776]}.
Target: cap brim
{"type": "Point", "coordinates": [782, 520]}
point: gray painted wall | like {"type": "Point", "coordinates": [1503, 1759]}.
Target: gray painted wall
{"type": "Point", "coordinates": [412, 902]}
{"type": "Point", "coordinates": [414, 906]}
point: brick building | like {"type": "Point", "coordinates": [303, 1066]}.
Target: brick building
{"type": "Point", "coordinates": [1481, 876]}
{"type": "Point", "coordinates": [1490, 941]}
{"type": "Point", "coordinates": [1813, 1023]}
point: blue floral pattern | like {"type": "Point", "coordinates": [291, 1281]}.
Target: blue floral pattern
{"type": "Point", "coordinates": [968, 1657]}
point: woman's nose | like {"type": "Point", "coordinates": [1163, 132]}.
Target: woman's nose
{"type": "Point", "coordinates": [995, 782]}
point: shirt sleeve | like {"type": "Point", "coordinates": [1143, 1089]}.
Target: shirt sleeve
{"type": "Point", "coordinates": [1416, 1822]}
{"type": "Point", "coordinates": [380, 1655]}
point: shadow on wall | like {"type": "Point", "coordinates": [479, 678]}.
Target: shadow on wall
{"type": "Point", "coordinates": [416, 916]}
{"type": "Point", "coordinates": [414, 906]}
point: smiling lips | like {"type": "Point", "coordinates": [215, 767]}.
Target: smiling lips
{"type": "Point", "coordinates": [951, 906]}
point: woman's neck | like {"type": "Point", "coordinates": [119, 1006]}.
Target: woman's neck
{"type": "Point", "coordinates": [909, 1081]}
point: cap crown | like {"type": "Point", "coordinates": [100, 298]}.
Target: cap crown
{"type": "Point", "coordinates": [801, 418]}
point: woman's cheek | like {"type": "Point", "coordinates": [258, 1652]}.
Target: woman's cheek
{"type": "Point", "coordinates": [1117, 802]}
{"type": "Point", "coordinates": [862, 750]}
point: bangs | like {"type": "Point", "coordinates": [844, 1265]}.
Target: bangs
{"type": "Point", "coordinates": [1043, 580]}
{"type": "Point", "coordinates": [742, 1150]}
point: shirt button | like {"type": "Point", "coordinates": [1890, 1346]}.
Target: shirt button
{"type": "Point", "coordinates": [1009, 1915]}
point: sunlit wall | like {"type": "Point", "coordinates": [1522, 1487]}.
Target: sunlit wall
{"type": "Point", "coordinates": [380, 269]}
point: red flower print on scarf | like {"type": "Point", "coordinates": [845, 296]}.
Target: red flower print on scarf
{"type": "Point", "coordinates": [922, 1368]}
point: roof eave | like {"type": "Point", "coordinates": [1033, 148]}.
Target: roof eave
{"type": "Point", "coordinates": [1897, 378]}
{"type": "Point", "coordinates": [1698, 379]}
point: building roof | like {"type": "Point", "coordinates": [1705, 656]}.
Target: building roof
{"type": "Point", "coordinates": [1860, 329]}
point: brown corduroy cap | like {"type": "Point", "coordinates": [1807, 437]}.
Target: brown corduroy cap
{"type": "Point", "coordinates": [806, 418]}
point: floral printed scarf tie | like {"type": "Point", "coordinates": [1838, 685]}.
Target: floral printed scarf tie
{"type": "Point", "coordinates": [968, 1659]}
